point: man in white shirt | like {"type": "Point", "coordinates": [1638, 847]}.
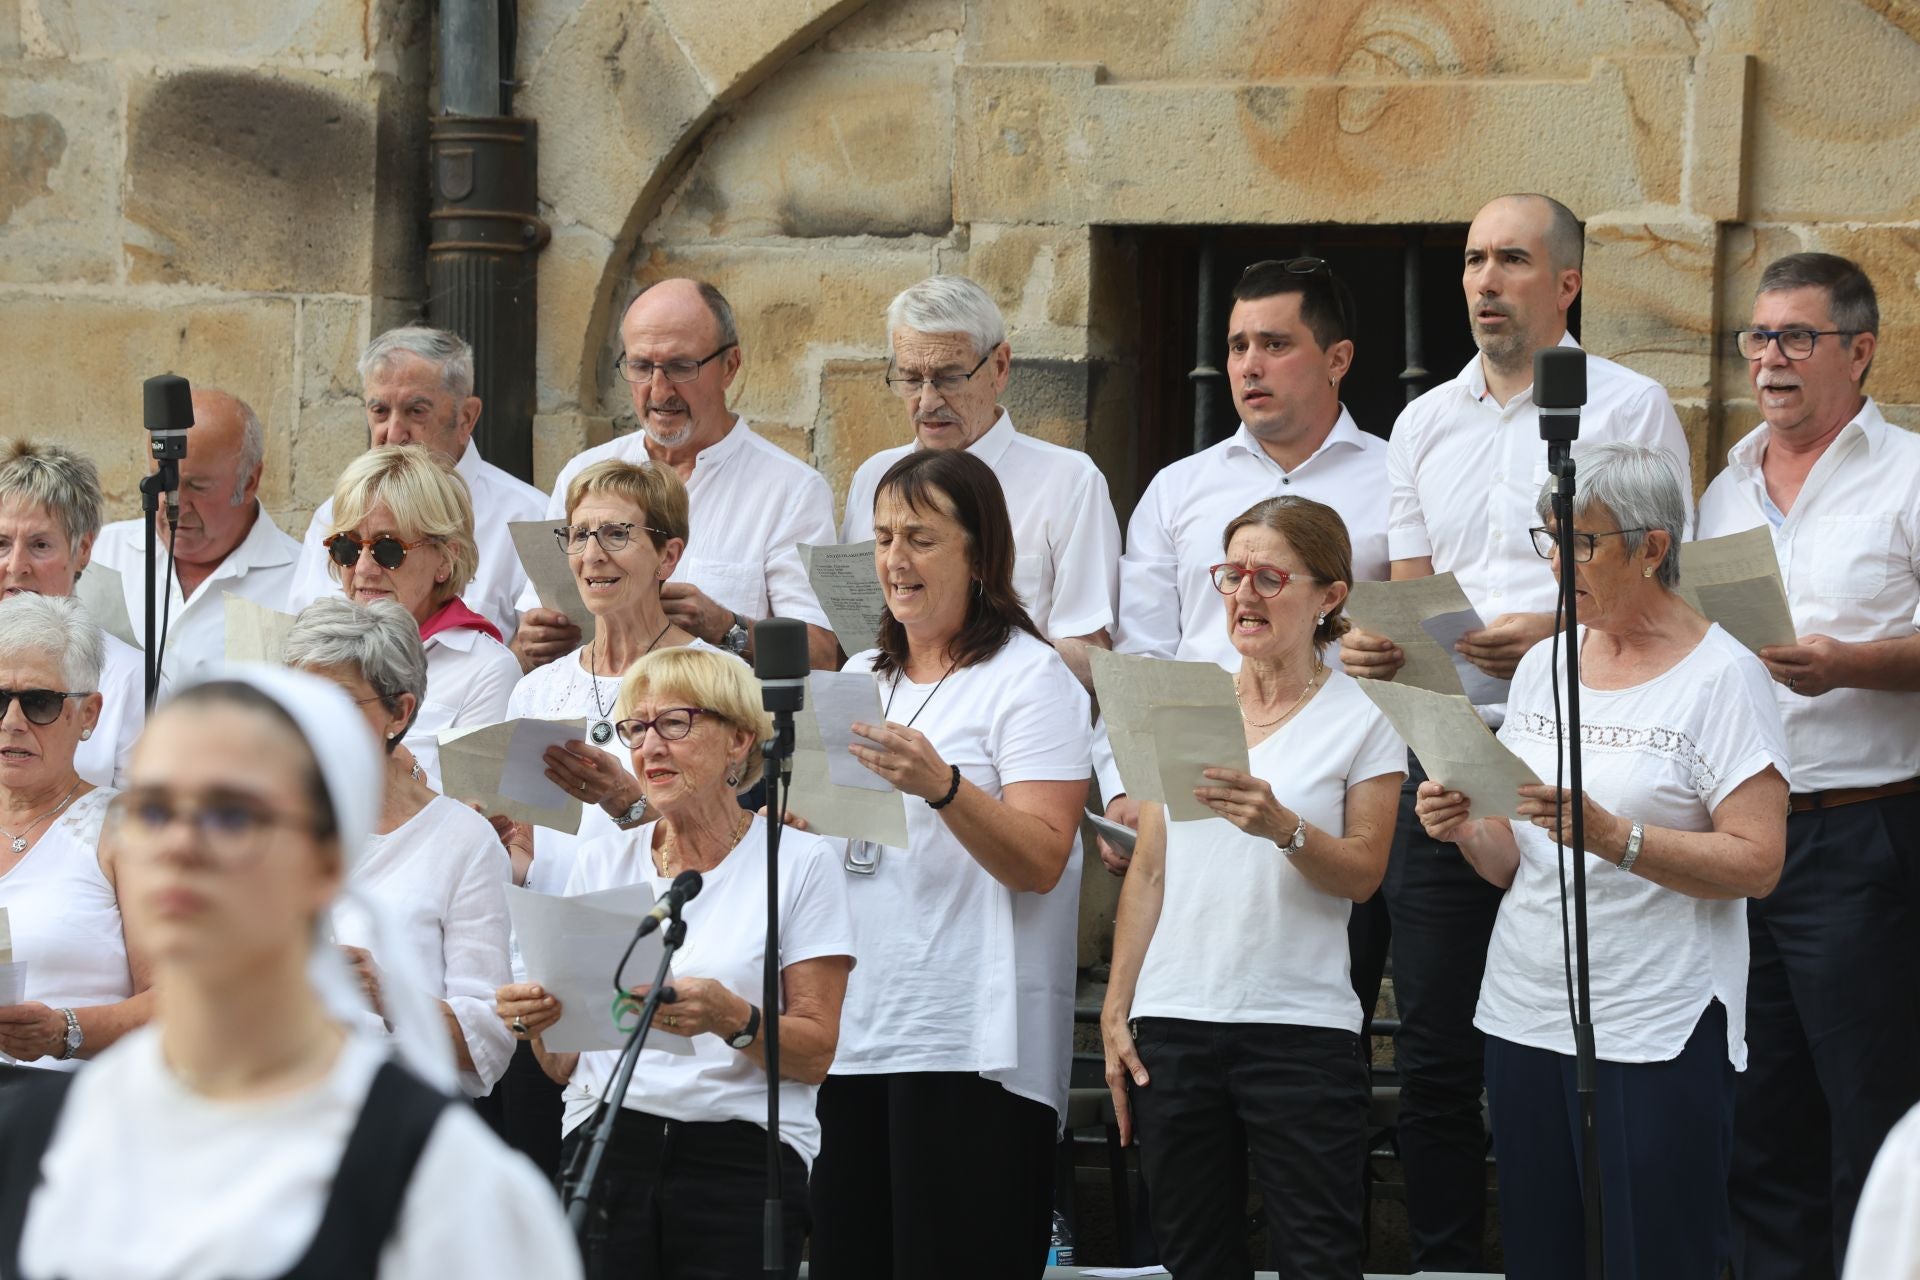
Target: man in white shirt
{"type": "Point", "coordinates": [951, 361]}
{"type": "Point", "coordinates": [750, 502]}
{"type": "Point", "coordinates": [1833, 1027]}
{"type": "Point", "coordinates": [418, 387]}
{"type": "Point", "coordinates": [1466, 464]}
{"type": "Point", "coordinates": [224, 544]}
{"type": "Point", "coordinates": [1289, 343]}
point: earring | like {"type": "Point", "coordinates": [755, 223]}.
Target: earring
{"type": "Point", "coordinates": [1647, 572]}
{"type": "Point", "coordinates": [1321, 620]}
{"type": "Point", "coordinates": [85, 734]}
{"type": "Point", "coordinates": [978, 588]}
{"type": "Point", "coordinates": [733, 775]}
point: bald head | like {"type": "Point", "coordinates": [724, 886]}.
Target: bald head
{"type": "Point", "coordinates": [685, 324]}
{"type": "Point", "coordinates": [219, 479]}
{"type": "Point", "coordinates": [225, 426]}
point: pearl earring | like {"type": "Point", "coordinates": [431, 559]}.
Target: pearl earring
{"type": "Point", "coordinates": [85, 734]}
{"type": "Point", "coordinates": [1322, 618]}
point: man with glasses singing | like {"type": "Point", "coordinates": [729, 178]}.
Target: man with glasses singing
{"type": "Point", "coordinates": [950, 364]}
{"type": "Point", "coordinates": [418, 387]}
{"type": "Point", "coordinates": [1833, 1025]}
{"type": "Point", "coordinates": [1466, 464]}
{"type": "Point", "coordinates": [750, 501]}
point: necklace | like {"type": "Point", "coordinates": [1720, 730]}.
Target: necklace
{"type": "Point", "coordinates": [603, 726]}
{"type": "Point", "coordinates": [1268, 724]}
{"type": "Point", "coordinates": [667, 842]}
{"type": "Point", "coordinates": [19, 842]}
{"type": "Point", "coordinates": [887, 711]}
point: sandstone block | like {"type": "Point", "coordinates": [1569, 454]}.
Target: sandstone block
{"type": "Point", "coordinates": [1722, 108]}
{"type": "Point", "coordinates": [59, 174]}
{"type": "Point", "coordinates": [832, 145]}
{"type": "Point", "coordinates": [557, 437]}
{"type": "Point", "coordinates": [327, 438]}
{"type": "Point", "coordinates": [1649, 299]}
{"type": "Point", "coordinates": [333, 332]}
{"type": "Point", "coordinates": [858, 417]}
{"type": "Point", "coordinates": [576, 320]}
{"type": "Point", "coordinates": [1891, 258]}
{"type": "Point", "coordinates": [9, 29]}
{"type": "Point", "coordinates": [195, 29]}
{"type": "Point", "coordinates": [734, 45]}
{"type": "Point", "coordinates": [1048, 398]}
{"type": "Point", "coordinates": [898, 26]}
{"type": "Point", "coordinates": [1040, 276]}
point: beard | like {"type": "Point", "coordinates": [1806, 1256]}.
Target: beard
{"type": "Point", "coordinates": [1507, 351]}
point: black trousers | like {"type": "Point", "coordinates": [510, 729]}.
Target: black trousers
{"type": "Point", "coordinates": [1436, 915]}
{"type": "Point", "coordinates": [1295, 1100]}
{"type": "Point", "coordinates": [680, 1200]}
{"type": "Point", "coordinates": [1665, 1131]}
{"type": "Point", "coordinates": [1833, 1033]}
{"type": "Point", "coordinates": [930, 1174]}
{"type": "Point", "coordinates": [525, 1110]}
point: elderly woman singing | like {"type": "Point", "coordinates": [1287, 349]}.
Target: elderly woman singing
{"type": "Point", "coordinates": [1685, 816]}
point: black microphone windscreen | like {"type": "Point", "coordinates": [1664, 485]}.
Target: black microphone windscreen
{"type": "Point", "coordinates": [780, 649]}
{"type": "Point", "coordinates": [169, 402]}
{"type": "Point", "coordinates": [687, 885]}
{"type": "Point", "coordinates": [1559, 377]}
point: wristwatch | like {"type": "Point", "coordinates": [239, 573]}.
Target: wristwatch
{"type": "Point", "coordinates": [1635, 834]}
{"type": "Point", "coordinates": [632, 817]}
{"type": "Point", "coordinates": [74, 1038]}
{"type": "Point", "coordinates": [1299, 840]}
{"type": "Point", "coordinates": [749, 1032]}
{"type": "Point", "coordinates": [735, 639]}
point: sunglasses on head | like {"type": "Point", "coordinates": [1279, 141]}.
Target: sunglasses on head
{"type": "Point", "coordinates": [42, 706]}
{"type": "Point", "coordinates": [388, 551]}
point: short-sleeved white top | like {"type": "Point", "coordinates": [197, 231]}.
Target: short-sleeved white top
{"type": "Point", "coordinates": [470, 676]}
{"type": "Point", "coordinates": [1066, 539]}
{"type": "Point", "coordinates": [1243, 936]}
{"type": "Point", "coordinates": [441, 877]}
{"type": "Point", "coordinates": [726, 941]}
{"type": "Point", "coordinates": [1664, 753]}
{"type": "Point", "coordinates": [957, 971]}
{"type": "Point", "coordinates": [102, 759]}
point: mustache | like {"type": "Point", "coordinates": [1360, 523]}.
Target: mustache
{"type": "Point", "coordinates": [1498, 308]}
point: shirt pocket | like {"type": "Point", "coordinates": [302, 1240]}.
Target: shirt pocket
{"type": "Point", "coordinates": [739, 587]}
{"type": "Point", "coordinates": [1851, 555]}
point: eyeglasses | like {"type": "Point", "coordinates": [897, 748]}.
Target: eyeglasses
{"type": "Point", "coordinates": [671, 725]}
{"type": "Point", "coordinates": [1795, 344]}
{"type": "Point", "coordinates": [612, 537]}
{"type": "Point", "coordinates": [1298, 266]}
{"type": "Point", "coordinates": [911, 385]}
{"type": "Point", "coordinates": [634, 369]}
{"type": "Point", "coordinates": [388, 551]}
{"type": "Point", "coordinates": [40, 706]}
{"type": "Point", "coordinates": [1583, 543]}
{"type": "Point", "coordinates": [1268, 581]}
{"type": "Point", "coordinates": [229, 827]}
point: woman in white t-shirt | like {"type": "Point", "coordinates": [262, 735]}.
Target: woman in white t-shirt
{"type": "Point", "coordinates": [684, 1180]}
{"type": "Point", "coordinates": [1230, 1023]}
{"type": "Point", "coordinates": [433, 863]}
{"type": "Point", "coordinates": [249, 1132]}
{"type": "Point", "coordinates": [1685, 769]}
{"type": "Point", "coordinates": [939, 1120]}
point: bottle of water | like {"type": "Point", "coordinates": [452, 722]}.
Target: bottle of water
{"type": "Point", "coordinates": [1060, 1247]}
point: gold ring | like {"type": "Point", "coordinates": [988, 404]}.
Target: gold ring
{"type": "Point", "coordinates": [672, 1021]}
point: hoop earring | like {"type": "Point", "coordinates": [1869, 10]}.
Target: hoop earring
{"type": "Point", "coordinates": [979, 588]}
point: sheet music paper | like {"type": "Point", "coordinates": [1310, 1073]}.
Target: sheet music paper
{"type": "Point", "coordinates": [255, 633]}
{"type": "Point", "coordinates": [839, 700]}
{"type": "Point", "coordinates": [854, 813]}
{"type": "Point", "coordinates": [844, 582]}
{"type": "Point", "coordinates": [1454, 746]}
{"type": "Point", "coordinates": [1735, 581]}
{"type": "Point", "coordinates": [550, 572]}
{"type": "Point", "coordinates": [570, 947]}
{"type": "Point", "coordinates": [1424, 617]}
{"type": "Point", "coordinates": [499, 768]}
{"type": "Point", "coordinates": [1167, 721]}
{"type": "Point", "coordinates": [103, 591]}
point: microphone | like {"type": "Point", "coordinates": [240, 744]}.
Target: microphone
{"type": "Point", "coordinates": [1559, 389]}
{"type": "Point", "coordinates": [169, 413]}
{"type": "Point", "coordinates": [780, 660]}
{"type": "Point", "coordinates": [685, 888]}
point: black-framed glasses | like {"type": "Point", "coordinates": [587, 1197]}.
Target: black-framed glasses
{"type": "Point", "coordinates": [634, 369]}
{"type": "Point", "coordinates": [672, 725]}
{"type": "Point", "coordinates": [229, 826]}
{"type": "Point", "coordinates": [389, 552]}
{"type": "Point", "coordinates": [612, 536]}
{"type": "Point", "coordinates": [909, 386]}
{"type": "Point", "coordinates": [1583, 543]}
{"type": "Point", "coordinates": [1297, 266]}
{"type": "Point", "coordinates": [1795, 344]}
{"type": "Point", "coordinates": [40, 706]}
{"type": "Point", "coordinates": [1268, 581]}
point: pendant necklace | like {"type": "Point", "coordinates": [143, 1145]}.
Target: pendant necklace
{"type": "Point", "coordinates": [887, 711]}
{"type": "Point", "coordinates": [18, 843]}
{"type": "Point", "coordinates": [1268, 724]}
{"type": "Point", "coordinates": [603, 725]}
{"type": "Point", "coordinates": [863, 856]}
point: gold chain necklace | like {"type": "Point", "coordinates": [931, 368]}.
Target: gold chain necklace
{"type": "Point", "coordinates": [666, 850]}
{"type": "Point", "coordinates": [1318, 667]}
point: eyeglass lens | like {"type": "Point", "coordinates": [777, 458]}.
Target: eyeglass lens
{"type": "Point", "coordinates": [388, 551]}
{"type": "Point", "coordinates": [612, 537]}
{"type": "Point", "coordinates": [41, 706]}
{"type": "Point", "coordinates": [1266, 582]}
{"type": "Point", "coordinates": [670, 725]}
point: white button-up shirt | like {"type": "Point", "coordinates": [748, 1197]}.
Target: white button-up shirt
{"type": "Point", "coordinates": [750, 503]}
{"type": "Point", "coordinates": [470, 676]}
{"type": "Point", "coordinates": [261, 569]}
{"type": "Point", "coordinates": [1168, 605]}
{"type": "Point", "coordinates": [1850, 557]}
{"type": "Point", "coordinates": [498, 497]}
{"type": "Point", "coordinates": [1066, 538]}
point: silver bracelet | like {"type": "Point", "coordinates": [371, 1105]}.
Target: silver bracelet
{"type": "Point", "coordinates": [1634, 835]}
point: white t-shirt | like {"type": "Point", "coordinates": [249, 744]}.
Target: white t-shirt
{"type": "Point", "coordinates": [959, 972]}
{"type": "Point", "coordinates": [148, 1180]}
{"type": "Point", "coordinates": [1243, 935]}
{"type": "Point", "coordinates": [1849, 555]}
{"type": "Point", "coordinates": [470, 676]}
{"type": "Point", "coordinates": [1066, 538]}
{"type": "Point", "coordinates": [441, 877]}
{"type": "Point", "coordinates": [65, 918]}
{"type": "Point", "coordinates": [1664, 753]}
{"type": "Point", "coordinates": [1885, 1244]}
{"type": "Point", "coordinates": [726, 941]}
{"type": "Point", "coordinates": [102, 759]}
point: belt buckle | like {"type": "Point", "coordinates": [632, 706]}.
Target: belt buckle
{"type": "Point", "coordinates": [862, 857]}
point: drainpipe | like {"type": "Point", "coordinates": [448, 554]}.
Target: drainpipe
{"type": "Point", "coordinates": [485, 232]}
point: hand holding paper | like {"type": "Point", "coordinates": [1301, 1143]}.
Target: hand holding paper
{"type": "Point", "coordinates": [856, 813]}
{"type": "Point", "coordinates": [1167, 722]}
{"type": "Point", "coordinates": [1426, 617]}
{"type": "Point", "coordinates": [571, 946]}
{"type": "Point", "coordinates": [500, 768]}
{"type": "Point", "coordinates": [841, 699]}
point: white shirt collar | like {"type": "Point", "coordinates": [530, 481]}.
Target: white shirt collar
{"type": "Point", "coordinates": [1751, 448]}
{"type": "Point", "coordinates": [1345, 434]}
{"type": "Point", "coordinates": [993, 446]}
{"type": "Point", "coordinates": [470, 462]}
{"type": "Point", "coordinates": [717, 453]}
{"type": "Point", "coordinates": [1474, 376]}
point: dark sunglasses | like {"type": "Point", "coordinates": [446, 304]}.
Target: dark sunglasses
{"type": "Point", "coordinates": [42, 706]}
{"type": "Point", "coordinates": [388, 551]}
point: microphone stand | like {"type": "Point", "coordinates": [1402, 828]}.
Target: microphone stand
{"type": "Point", "coordinates": [165, 478]}
{"type": "Point", "coordinates": [778, 755]}
{"type": "Point", "coordinates": [585, 1169]}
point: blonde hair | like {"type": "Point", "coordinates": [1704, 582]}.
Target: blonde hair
{"type": "Point", "coordinates": [705, 678]}
{"type": "Point", "coordinates": [63, 483]}
{"type": "Point", "coordinates": [655, 489]}
{"type": "Point", "coordinates": [428, 499]}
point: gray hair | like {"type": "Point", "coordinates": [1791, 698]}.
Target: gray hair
{"type": "Point", "coordinates": [59, 627]}
{"type": "Point", "coordinates": [63, 482]}
{"type": "Point", "coordinates": [1640, 486]}
{"type": "Point", "coordinates": [948, 304]}
{"type": "Point", "coordinates": [1851, 301]}
{"type": "Point", "coordinates": [449, 351]}
{"type": "Point", "coordinates": [379, 640]}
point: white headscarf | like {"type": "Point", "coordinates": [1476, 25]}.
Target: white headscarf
{"type": "Point", "coordinates": [353, 768]}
